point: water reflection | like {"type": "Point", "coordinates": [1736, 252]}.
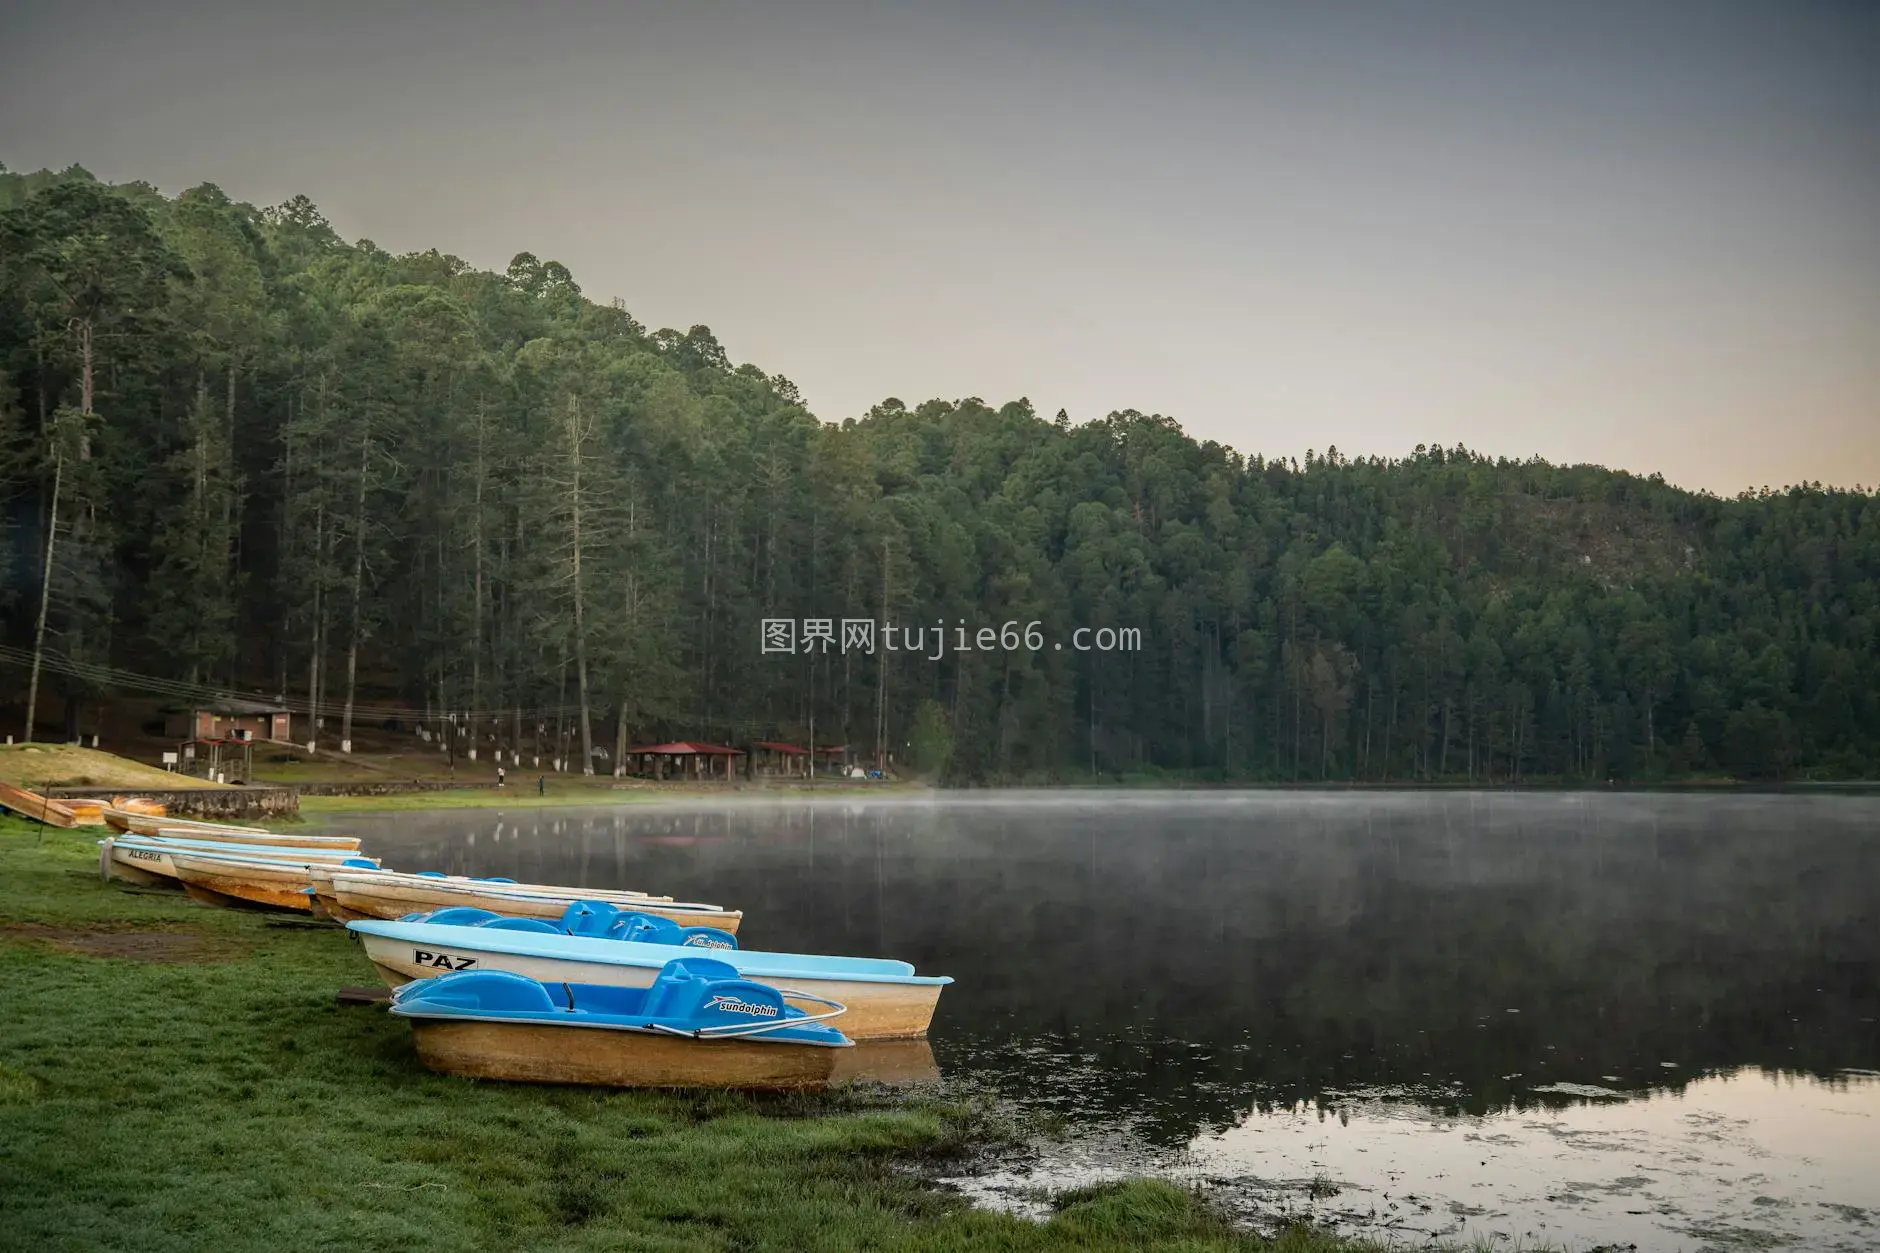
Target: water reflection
{"type": "Point", "coordinates": [1159, 966]}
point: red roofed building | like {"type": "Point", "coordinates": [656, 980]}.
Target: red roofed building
{"type": "Point", "coordinates": [771, 757]}
{"type": "Point", "coordinates": [684, 759]}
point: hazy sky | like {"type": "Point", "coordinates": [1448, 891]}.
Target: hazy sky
{"type": "Point", "coordinates": [1646, 235]}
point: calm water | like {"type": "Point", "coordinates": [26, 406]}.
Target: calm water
{"type": "Point", "coordinates": [1582, 1019]}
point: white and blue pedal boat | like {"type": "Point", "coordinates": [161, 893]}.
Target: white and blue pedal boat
{"type": "Point", "coordinates": [886, 999]}
{"type": "Point", "coordinates": [696, 1024]}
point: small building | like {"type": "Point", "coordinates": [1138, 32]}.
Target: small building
{"type": "Point", "coordinates": [774, 759]}
{"type": "Point", "coordinates": [683, 759]}
{"type": "Point", "coordinates": [230, 720]}
{"type": "Point", "coordinates": [832, 759]}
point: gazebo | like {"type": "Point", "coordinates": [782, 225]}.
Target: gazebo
{"type": "Point", "coordinates": [218, 759]}
{"type": "Point", "coordinates": [685, 759]}
{"type": "Point", "coordinates": [771, 757]}
{"type": "Point", "coordinates": [836, 755]}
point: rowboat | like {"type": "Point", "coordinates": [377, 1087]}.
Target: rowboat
{"type": "Point", "coordinates": [39, 808]}
{"type": "Point", "coordinates": [387, 904]}
{"type": "Point", "coordinates": [85, 812]}
{"type": "Point", "coordinates": [138, 805]}
{"type": "Point", "coordinates": [146, 824]}
{"type": "Point", "coordinates": [696, 1025]}
{"type": "Point", "coordinates": [592, 918]}
{"type": "Point", "coordinates": [223, 879]}
{"type": "Point", "coordinates": [136, 822]}
{"type": "Point", "coordinates": [886, 999]}
{"type": "Point", "coordinates": [146, 860]}
{"type": "Point", "coordinates": [392, 895]}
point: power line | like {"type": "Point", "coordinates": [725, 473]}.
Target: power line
{"type": "Point", "coordinates": [105, 676]}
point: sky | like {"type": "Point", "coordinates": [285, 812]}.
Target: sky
{"type": "Point", "coordinates": [1646, 236]}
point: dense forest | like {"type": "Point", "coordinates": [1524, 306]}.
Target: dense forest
{"type": "Point", "coordinates": [238, 452]}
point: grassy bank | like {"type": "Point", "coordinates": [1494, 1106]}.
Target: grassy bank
{"type": "Point", "coordinates": [38, 766]}
{"type": "Point", "coordinates": [179, 1077]}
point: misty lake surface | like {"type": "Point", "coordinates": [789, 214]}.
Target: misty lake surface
{"type": "Point", "coordinates": [1594, 1020]}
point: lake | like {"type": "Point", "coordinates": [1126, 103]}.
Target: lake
{"type": "Point", "coordinates": [1590, 1019]}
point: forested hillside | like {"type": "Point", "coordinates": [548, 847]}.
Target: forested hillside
{"type": "Point", "coordinates": [269, 459]}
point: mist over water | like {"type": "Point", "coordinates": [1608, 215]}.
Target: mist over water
{"type": "Point", "coordinates": [1327, 1002]}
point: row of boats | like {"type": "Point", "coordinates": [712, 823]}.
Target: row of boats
{"type": "Point", "coordinates": [540, 982]}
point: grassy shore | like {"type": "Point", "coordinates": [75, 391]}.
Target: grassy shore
{"type": "Point", "coordinates": [179, 1077]}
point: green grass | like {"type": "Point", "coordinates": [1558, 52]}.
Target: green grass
{"type": "Point", "coordinates": [230, 1103]}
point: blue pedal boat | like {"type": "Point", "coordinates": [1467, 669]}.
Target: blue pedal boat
{"type": "Point", "coordinates": [598, 919]}
{"type": "Point", "coordinates": [697, 1025]}
{"type": "Point", "coordinates": [886, 999]}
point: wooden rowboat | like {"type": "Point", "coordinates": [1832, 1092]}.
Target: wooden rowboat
{"type": "Point", "coordinates": [148, 824]}
{"type": "Point", "coordinates": [85, 813]}
{"type": "Point", "coordinates": [138, 859]}
{"type": "Point", "coordinates": [391, 895]}
{"type": "Point", "coordinates": [183, 828]}
{"type": "Point", "coordinates": [218, 879]}
{"type": "Point", "coordinates": [39, 808]}
{"type": "Point", "coordinates": [326, 902]}
{"type": "Point", "coordinates": [886, 999]}
{"type": "Point", "coordinates": [133, 822]}
{"type": "Point", "coordinates": [139, 805]}
{"type": "Point", "coordinates": [698, 1025]}
{"type": "Point", "coordinates": [271, 839]}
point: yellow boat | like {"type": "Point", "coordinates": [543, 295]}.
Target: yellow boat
{"type": "Point", "coordinates": [184, 828]}
{"type": "Point", "coordinates": [39, 808]}
{"type": "Point", "coordinates": [137, 822]}
{"type": "Point", "coordinates": [273, 883]}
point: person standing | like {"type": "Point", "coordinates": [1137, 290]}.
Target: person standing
{"type": "Point", "coordinates": [541, 786]}
{"type": "Point", "coordinates": [499, 776]}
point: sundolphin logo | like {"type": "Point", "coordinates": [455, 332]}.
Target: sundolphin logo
{"type": "Point", "coordinates": [732, 1005]}
{"type": "Point", "coordinates": [705, 941]}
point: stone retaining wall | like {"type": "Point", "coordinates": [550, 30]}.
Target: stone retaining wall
{"type": "Point", "coordinates": [389, 787]}
{"type": "Point", "coordinates": [199, 802]}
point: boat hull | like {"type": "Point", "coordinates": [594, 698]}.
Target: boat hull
{"type": "Point", "coordinates": [528, 1053]}
{"type": "Point", "coordinates": [145, 824]}
{"type": "Point", "coordinates": [893, 1062]}
{"type": "Point", "coordinates": [876, 1011]}
{"type": "Point", "coordinates": [355, 896]}
{"type": "Point", "coordinates": [148, 865]}
{"type": "Point", "coordinates": [32, 805]}
{"type": "Point", "coordinates": [268, 887]}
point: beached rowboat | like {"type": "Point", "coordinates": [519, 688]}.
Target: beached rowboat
{"type": "Point", "coordinates": [38, 808]}
{"type": "Point", "coordinates": [326, 898]}
{"type": "Point", "coordinates": [145, 824]}
{"type": "Point", "coordinates": [275, 882]}
{"type": "Point", "coordinates": [391, 895]}
{"type": "Point", "coordinates": [136, 822]}
{"type": "Point", "coordinates": [146, 860]}
{"type": "Point", "coordinates": [696, 1025]}
{"type": "Point", "coordinates": [886, 999]}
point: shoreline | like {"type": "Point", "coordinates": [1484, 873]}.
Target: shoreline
{"type": "Point", "coordinates": [176, 1076]}
{"type": "Point", "coordinates": [590, 796]}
